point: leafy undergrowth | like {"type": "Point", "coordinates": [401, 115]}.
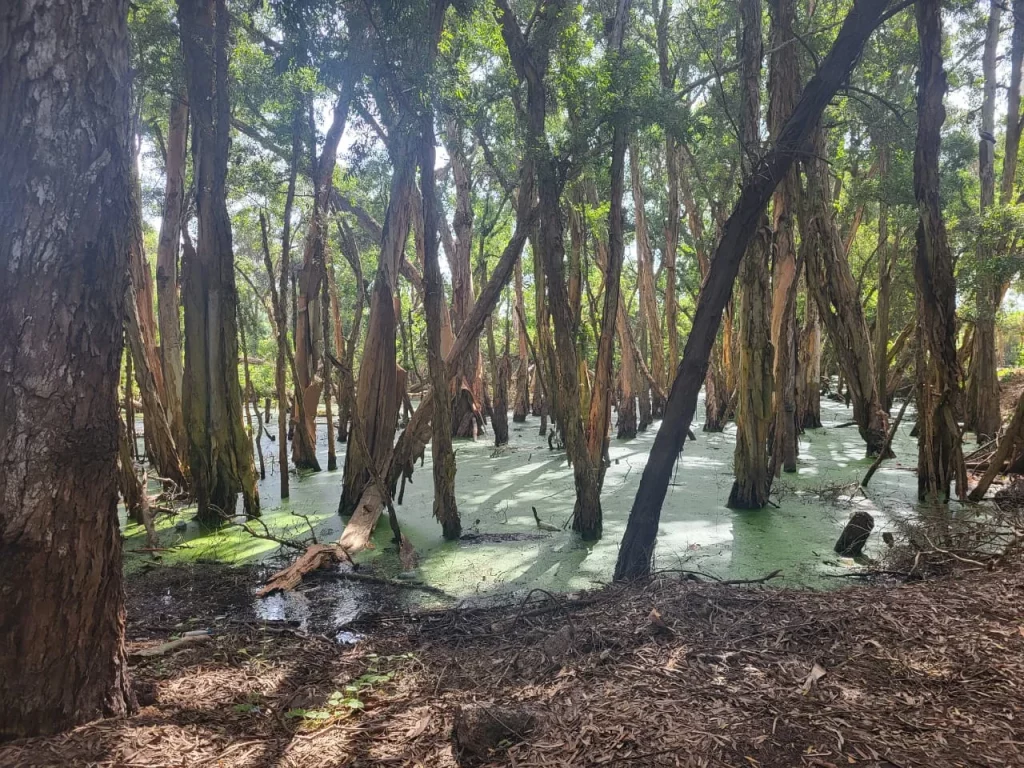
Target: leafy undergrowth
{"type": "Point", "coordinates": [672, 673]}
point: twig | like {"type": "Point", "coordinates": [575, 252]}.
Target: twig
{"type": "Point", "coordinates": [888, 443]}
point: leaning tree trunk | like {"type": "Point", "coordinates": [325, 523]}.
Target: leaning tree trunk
{"type": "Point", "coordinates": [939, 453]}
{"type": "Point", "coordinates": [220, 458]}
{"type": "Point", "coordinates": [754, 408]}
{"type": "Point", "coordinates": [637, 547]}
{"type": "Point", "coordinates": [835, 292]}
{"type": "Point", "coordinates": [983, 383]}
{"type": "Point", "coordinates": [168, 249]}
{"type": "Point", "coordinates": [784, 88]}
{"type": "Point", "coordinates": [65, 176]}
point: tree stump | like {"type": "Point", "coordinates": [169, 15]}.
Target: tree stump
{"type": "Point", "coordinates": [480, 729]}
{"type": "Point", "coordinates": [855, 535]}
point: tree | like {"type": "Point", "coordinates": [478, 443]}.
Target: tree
{"type": "Point", "coordinates": [754, 409]}
{"type": "Point", "coordinates": [220, 457]}
{"type": "Point", "coordinates": [65, 177]}
{"type": "Point", "coordinates": [638, 542]}
{"type": "Point", "coordinates": [983, 393]}
{"type": "Point", "coordinates": [940, 457]}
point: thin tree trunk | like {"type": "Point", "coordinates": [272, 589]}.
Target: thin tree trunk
{"type": "Point", "coordinates": [65, 171]}
{"type": "Point", "coordinates": [754, 408]}
{"type": "Point", "coordinates": [809, 365]}
{"type": "Point", "coordinates": [784, 88]}
{"type": "Point", "coordinates": [522, 388]}
{"type": "Point", "coordinates": [1013, 103]}
{"type": "Point", "coordinates": [983, 383]}
{"type": "Point", "coordinates": [325, 315]}
{"type": "Point", "coordinates": [884, 290]}
{"type": "Point", "coordinates": [940, 457]}
{"type": "Point", "coordinates": [168, 249]}
{"type": "Point", "coordinates": [248, 396]}
{"type": "Point", "coordinates": [350, 251]}
{"type": "Point", "coordinates": [645, 280]}
{"type": "Point", "coordinates": [667, 77]}
{"type": "Point", "coordinates": [637, 547]}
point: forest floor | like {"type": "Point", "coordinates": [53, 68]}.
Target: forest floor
{"type": "Point", "coordinates": [672, 673]}
{"type": "Point", "coordinates": [1011, 384]}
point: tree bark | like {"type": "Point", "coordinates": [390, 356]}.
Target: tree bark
{"type": "Point", "coordinates": [754, 407]}
{"type": "Point", "coordinates": [168, 249]}
{"type": "Point", "coordinates": [667, 76]}
{"type": "Point", "coordinates": [522, 404]}
{"type": "Point", "coordinates": [220, 459]}
{"type": "Point", "coordinates": [784, 88]}
{"type": "Point", "coordinates": [885, 266]}
{"type": "Point", "coordinates": [65, 179]}
{"type": "Point", "coordinates": [446, 510]}
{"type": "Point", "coordinates": [645, 280]}
{"type": "Point", "coordinates": [809, 365]}
{"type": "Point", "coordinates": [1013, 103]}
{"type": "Point", "coordinates": [983, 382]}
{"type": "Point", "coordinates": [939, 453]}
{"type": "Point", "coordinates": [835, 292]}
{"type": "Point", "coordinates": [637, 547]}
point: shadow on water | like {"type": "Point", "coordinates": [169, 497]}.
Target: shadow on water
{"type": "Point", "coordinates": [505, 555]}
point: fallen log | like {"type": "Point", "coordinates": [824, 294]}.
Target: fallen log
{"type": "Point", "coordinates": [316, 557]}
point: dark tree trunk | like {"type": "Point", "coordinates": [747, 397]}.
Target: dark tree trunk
{"type": "Point", "coordinates": [939, 456]}
{"type": "Point", "coordinates": [667, 77]}
{"type": "Point", "coordinates": [885, 266]}
{"type": "Point", "coordinates": [219, 456]}
{"type": "Point", "coordinates": [642, 527]}
{"type": "Point", "coordinates": [65, 178]}
{"type": "Point", "coordinates": [522, 388]}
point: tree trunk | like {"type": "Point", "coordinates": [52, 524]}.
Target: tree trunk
{"type": "Point", "coordinates": [809, 365]}
{"type": "Point", "coordinates": [983, 383]}
{"type": "Point", "coordinates": [65, 165]}
{"type": "Point", "coordinates": [168, 249]}
{"type": "Point", "coordinates": [667, 76]}
{"type": "Point", "coordinates": [885, 266]}
{"type": "Point", "coordinates": [140, 327]}
{"type": "Point", "coordinates": [219, 456]}
{"type": "Point", "coordinates": [637, 547]}
{"type": "Point", "coordinates": [645, 280]}
{"type": "Point", "coordinates": [445, 509]}
{"type": "Point", "coordinates": [939, 452]}
{"type": "Point", "coordinates": [1013, 103]}
{"type": "Point", "coordinates": [784, 87]}
{"type": "Point", "coordinates": [754, 408]}
{"type": "Point", "coordinates": [835, 292]}
{"type": "Point", "coordinates": [375, 390]}
{"type": "Point", "coordinates": [350, 251]}
{"type": "Point", "coordinates": [522, 404]}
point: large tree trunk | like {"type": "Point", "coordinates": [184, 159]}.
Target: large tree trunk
{"type": "Point", "coordinates": [65, 178]}
{"type": "Point", "coordinates": [982, 409]}
{"type": "Point", "coordinates": [754, 408]}
{"type": "Point", "coordinates": [784, 88]}
{"type": "Point", "coordinates": [835, 292]}
{"type": "Point", "coordinates": [443, 457]}
{"type": "Point", "coordinates": [637, 547]}
{"type": "Point", "coordinates": [220, 458]}
{"type": "Point", "coordinates": [1013, 103]}
{"type": "Point", "coordinates": [168, 249]}
{"type": "Point", "coordinates": [939, 452]}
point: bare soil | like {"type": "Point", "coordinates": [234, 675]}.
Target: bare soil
{"type": "Point", "coordinates": [672, 673]}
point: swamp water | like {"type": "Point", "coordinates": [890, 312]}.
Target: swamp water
{"type": "Point", "coordinates": [503, 553]}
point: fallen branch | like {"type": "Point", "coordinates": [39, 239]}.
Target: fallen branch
{"type": "Point", "coordinates": [314, 558]}
{"type": "Point", "coordinates": [888, 442]}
